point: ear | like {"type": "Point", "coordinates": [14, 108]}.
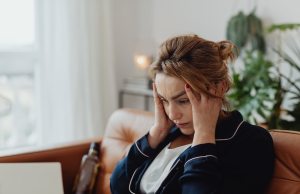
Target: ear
{"type": "Point", "coordinates": [222, 87]}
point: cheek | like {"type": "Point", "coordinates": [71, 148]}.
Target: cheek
{"type": "Point", "coordinates": [186, 110]}
{"type": "Point", "coordinates": [189, 112]}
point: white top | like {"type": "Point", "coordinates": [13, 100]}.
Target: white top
{"type": "Point", "coordinates": [159, 168]}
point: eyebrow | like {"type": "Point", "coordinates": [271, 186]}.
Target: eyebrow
{"type": "Point", "coordinates": [174, 97]}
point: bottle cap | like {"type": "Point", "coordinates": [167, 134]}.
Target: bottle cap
{"type": "Point", "coordinates": [95, 147]}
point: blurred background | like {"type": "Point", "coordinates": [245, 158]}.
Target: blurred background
{"type": "Point", "coordinates": [66, 65]}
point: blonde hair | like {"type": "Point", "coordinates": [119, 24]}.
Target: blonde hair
{"type": "Point", "coordinates": [198, 62]}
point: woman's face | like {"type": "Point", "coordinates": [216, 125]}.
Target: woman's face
{"type": "Point", "coordinates": [171, 91]}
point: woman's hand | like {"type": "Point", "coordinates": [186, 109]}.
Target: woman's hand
{"type": "Point", "coordinates": [162, 123]}
{"type": "Point", "coordinates": [205, 112]}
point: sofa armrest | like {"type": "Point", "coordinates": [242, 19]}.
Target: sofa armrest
{"type": "Point", "coordinates": [69, 155]}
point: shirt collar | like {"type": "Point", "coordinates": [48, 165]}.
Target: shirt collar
{"type": "Point", "coordinates": [228, 126]}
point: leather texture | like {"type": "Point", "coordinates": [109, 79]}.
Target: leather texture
{"type": "Point", "coordinates": [123, 128]}
{"type": "Point", "coordinates": [127, 125]}
{"type": "Point", "coordinates": [286, 178]}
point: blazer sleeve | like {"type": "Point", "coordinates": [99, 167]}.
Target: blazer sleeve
{"type": "Point", "coordinates": [139, 153]}
{"type": "Point", "coordinates": [201, 172]}
{"type": "Point", "coordinates": [253, 167]}
{"type": "Point", "coordinates": [247, 169]}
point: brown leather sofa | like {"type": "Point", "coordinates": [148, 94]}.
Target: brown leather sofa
{"type": "Point", "coordinates": [127, 125]}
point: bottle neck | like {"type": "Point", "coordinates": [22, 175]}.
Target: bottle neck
{"type": "Point", "coordinates": [93, 152]}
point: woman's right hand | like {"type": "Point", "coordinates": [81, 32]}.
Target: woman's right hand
{"type": "Point", "coordinates": [162, 123]}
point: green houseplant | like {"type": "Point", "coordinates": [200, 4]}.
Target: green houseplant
{"type": "Point", "coordinates": [256, 91]}
{"type": "Point", "coordinates": [260, 88]}
{"type": "Point", "coordinates": [289, 54]}
{"type": "Point", "coordinates": [246, 31]}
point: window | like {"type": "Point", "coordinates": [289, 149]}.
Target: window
{"type": "Point", "coordinates": [17, 62]}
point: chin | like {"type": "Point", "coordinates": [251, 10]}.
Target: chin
{"type": "Point", "coordinates": [187, 131]}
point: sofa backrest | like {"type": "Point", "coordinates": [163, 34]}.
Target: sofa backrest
{"type": "Point", "coordinates": [127, 125]}
{"type": "Point", "coordinates": [123, 128]}
{"type": "Point", "coordinates": [286, 178]}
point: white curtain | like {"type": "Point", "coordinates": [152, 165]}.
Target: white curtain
{"type": "Point", "coordinates": [75, 75]}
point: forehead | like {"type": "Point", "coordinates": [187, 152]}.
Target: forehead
{"type": "Point", "coordinates": [166, 79]}
{"type": "Point", "coordinates": [168, 86]}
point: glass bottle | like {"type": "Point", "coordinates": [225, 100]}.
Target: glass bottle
{"type": "Point", "coordinates": [85, 179]}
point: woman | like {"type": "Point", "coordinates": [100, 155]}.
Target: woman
{"type": "Point", "coordinates": [195, 145]}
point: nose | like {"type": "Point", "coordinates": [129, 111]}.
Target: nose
{"type": "Point", "coordinates": [174, 113]}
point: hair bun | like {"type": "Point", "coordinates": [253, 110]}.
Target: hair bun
{"type": "Point", "coordinates": [226, 50]}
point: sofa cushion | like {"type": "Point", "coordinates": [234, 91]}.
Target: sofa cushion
{"type": "Point", "coordinates": [286, 178]}
{"type": "Point", "coordinates": [123, 128]}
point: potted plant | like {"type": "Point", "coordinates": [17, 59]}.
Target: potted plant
{"type": "Point", "coordinates": [289, 54]}
{"type": "Point", "coordinates": [260, 88]}
{"type": "Point", "coordinates": [256, 90]}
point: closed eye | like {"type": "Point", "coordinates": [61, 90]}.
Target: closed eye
{"type": "Point", "coordinates": [163, 100]}
{"type": "Point", "coordinates": [183, 101]}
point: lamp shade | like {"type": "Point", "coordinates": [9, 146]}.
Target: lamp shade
{"type": "Point", "coordinates": [142, 61]}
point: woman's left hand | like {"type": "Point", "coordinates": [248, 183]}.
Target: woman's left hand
{"type": "Point", "coordinates": [205, 112]}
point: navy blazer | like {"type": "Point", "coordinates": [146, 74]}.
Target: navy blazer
{"type": "Point", "coordinates": [241, 162]}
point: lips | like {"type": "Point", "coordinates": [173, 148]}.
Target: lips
{"type": "Point", "coordinates": [181, 125]}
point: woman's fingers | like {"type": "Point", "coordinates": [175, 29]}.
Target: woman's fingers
{"type": "Point", "coordinates": [155, 96]}
{"type": "Point", "coordinates": [157, 101]}
{"type": "Point", "coordinates": [193, 99]}
{"type": "Point", "coordinates": [204, 102]}
{"type": "Point", "coordinates": [160, 114]}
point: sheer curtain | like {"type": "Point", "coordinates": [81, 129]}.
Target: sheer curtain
{"type": "Point", "coordinates": [76, 84]}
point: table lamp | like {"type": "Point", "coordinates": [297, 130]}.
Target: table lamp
{"type": "Point", "coordinates": [143, 62]}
